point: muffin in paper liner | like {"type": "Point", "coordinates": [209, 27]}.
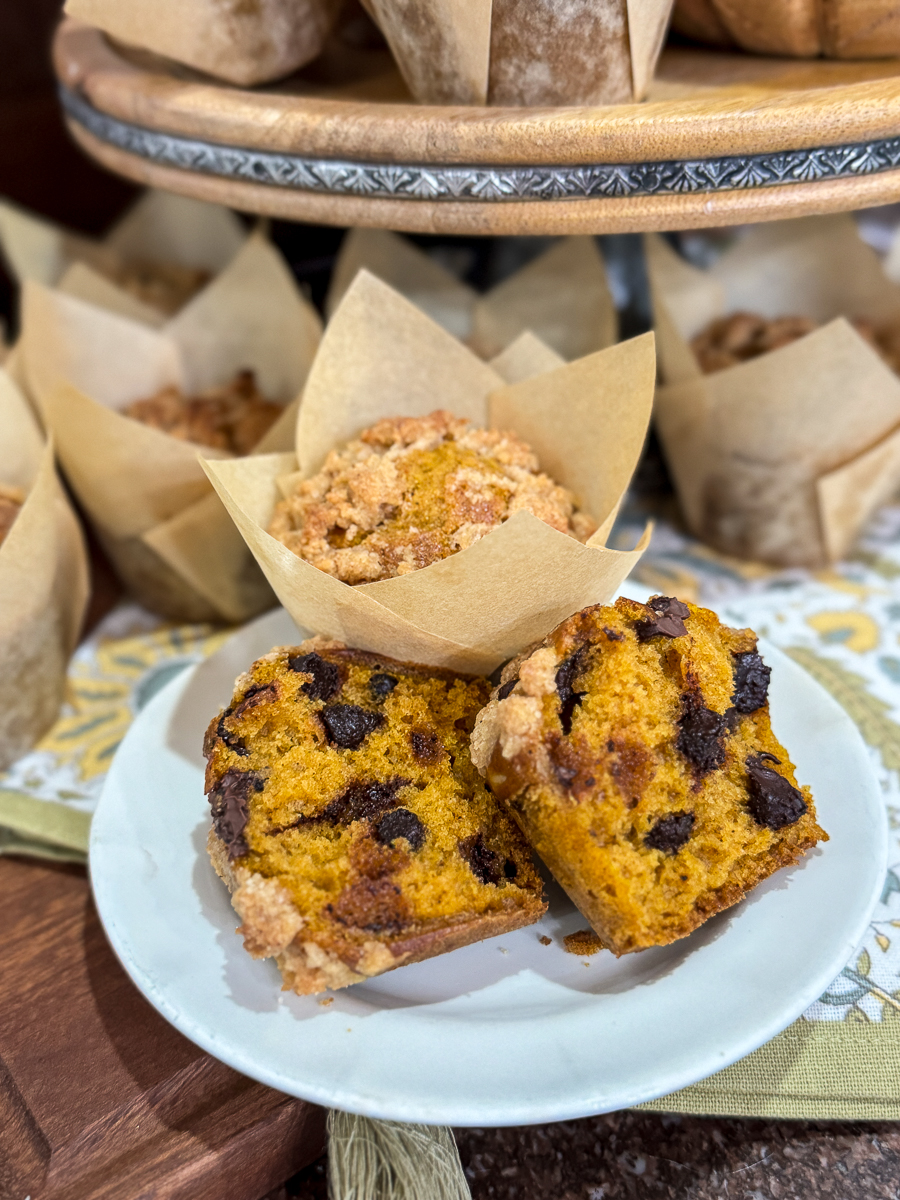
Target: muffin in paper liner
{"type": "Point", "coordinates": [153, 508]}
{"type": "Point", "coordinates": [586, 422]}
{"type": "Point", "coordinates": [243, 43]}
{"type": "Point", "coordinates": [783, 457]}
{"type": "Point", "coordinates": [562, 296]}
{"type": "Point", "coordinates": [799, 29]}
{"type": "Point", "coordinates": [528, 52]}
{"type": "Point", "coordinates": [157, 256]}
{"type": "Point", "coordinates": [43, 581]}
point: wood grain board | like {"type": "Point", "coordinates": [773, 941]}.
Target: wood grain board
{"type": "Point", "coordinates": [703, 105]}
{"type": "Point", "coordinates": [101, 1099]}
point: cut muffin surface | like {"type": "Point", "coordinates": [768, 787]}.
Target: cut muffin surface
{"type": "Point", "coordinates": [348, 819]}
{"type": "Point", "coordinates": [635, 749]}
{"type": "Point", "coordinates": [412, 490]}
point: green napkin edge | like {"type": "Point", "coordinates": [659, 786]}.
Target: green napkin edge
{"type": "Point", "coordinates": [815, 1070]}
{"type": "Point", "coordinates": [42, 828]}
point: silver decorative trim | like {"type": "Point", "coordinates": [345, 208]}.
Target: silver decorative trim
{"type": "Point", "coordinates": [409, 181]}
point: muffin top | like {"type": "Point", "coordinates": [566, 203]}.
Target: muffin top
{"type": "Point", "coordinates": [231, 417]}
{"type": "Point", "coordinates": [412, 490]}
{"type": "Point", "coordinates": [734, 339]}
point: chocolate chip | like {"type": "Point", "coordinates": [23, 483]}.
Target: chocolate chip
{"type": "Point", "coordinates": [401, 823]}
{"type": "Point", "coordinates": [510, 870]}
{"type": "Point", "coordinates": [505, 688]}
{"type": "Point", "coordinates": [484, 862]}
{"type": "Point", "coordinates": [668, 620]}
{"type": "Point", "coordinates": [426, 746]}
{"type": "Point", "coordinates": [774, 802]}
{"type": "Point", "coordinates": [228, 802]}
{"type": "Point", "coordinates": [231, 740]}
{"type": "Point", "coordinates": [326, 678]}
{"type": "Point", "coordinates": [613, 634]}
{"type": "Point", "coordinates": [381, 685]}
{"type": "Point", "coordinates": [359, 802]}
{"type": "Point", "coordinates": [751, 682]}
{"type": "Point", "coordinates": [348, 725]}
{"type": "Point", "coordinates": [765, 756]}
{"type": "Point", "coordinates": [255, 696]}
{"type": "Point", "coordinates": [569, 699]}
{"type": "Point", "coordinates": [700, 738]}
{"type": "Point", "coordinates": [671, 832]}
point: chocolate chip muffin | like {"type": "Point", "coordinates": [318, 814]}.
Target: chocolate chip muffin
{"type": "Point", "coordinates": [412, 490]}
{"type": "Point", "coordinates": [635, 749]}
{"type": "Point", "coordinates": [232, 417]}
{"type": "Point", "coordinates": [349, 822]}
{"type": "Point", "coordinates": [741, 336]}
{"type": "Point", "coordinates": [11, 501]}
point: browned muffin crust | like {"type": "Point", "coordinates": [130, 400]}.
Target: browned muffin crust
{"type": "Point", "coordinates": [349, 822]}
{"type": "Point", "coordinates": [635, 749]}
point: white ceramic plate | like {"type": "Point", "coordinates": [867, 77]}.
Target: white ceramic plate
{"type": "Point", "coordinates": [506, 1032]}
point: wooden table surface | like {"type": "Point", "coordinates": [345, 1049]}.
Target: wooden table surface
{"type": "Point", "coordinates": [99, 1096]}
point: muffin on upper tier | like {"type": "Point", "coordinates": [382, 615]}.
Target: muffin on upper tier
{"type": "Point", "coordinates": [412, 490]}
{"type": "Point", "coordinates": [349, 822]}
{"type": "Point", "coordinates": [635, 749]}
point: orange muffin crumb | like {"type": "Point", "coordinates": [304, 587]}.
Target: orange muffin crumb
{"type": "Point", "coordinates": [349, 822]}
{"type": "Point", "coordinates": [635, 750]}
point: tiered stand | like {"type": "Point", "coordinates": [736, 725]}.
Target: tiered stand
{"type": "Point", "coordinates": [723, 139]}
{"type": "Point", "coordinates": [100, 1097]}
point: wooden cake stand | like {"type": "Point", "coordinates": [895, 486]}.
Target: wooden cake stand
{"type": "Point", "coordinates": [722, 139]}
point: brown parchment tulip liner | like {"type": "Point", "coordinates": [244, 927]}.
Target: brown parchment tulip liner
{"type": "Point", "coordinates": [783, 457]}
{"type": "Point", "coordinates": [585, 420]}
{"type": "Point", "coordinates": [154, 510]}
{"type": "Point", "coordinates": [245, 43]}
{"type": "Point", "coordinates": [158, 228]}
{"type": "Point", "coordinates": [43, 582]}
{"type": "Point", "coordinates": [562, 296]}
{"type": "Point", "coordinates": [537, 52]}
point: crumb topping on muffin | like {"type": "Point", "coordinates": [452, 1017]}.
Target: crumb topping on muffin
{"type": "Point", "coordinates": [233, 417]}
{"type": "Point", "coordinates": [165, 286]}
{"type": "Point", "coordinates": [740, 336]}
{"type": "Point", "coordinates": [412, 490]}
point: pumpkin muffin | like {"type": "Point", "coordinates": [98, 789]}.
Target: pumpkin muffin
{"type": "Point", "coordinates": [11, 501]}
{"type": "Point", "coordinates": [412, 490]}
{"type": "Point", "coordinates": [349, 822]}
{"type": "Point", "coordinates": [232, 417]}
{"type": "Point", "coordinates": [734, 339]}
{"type": "Point", "coordinates": [635, 749]}
{"type": "Point", "coordinates": [165, 286]}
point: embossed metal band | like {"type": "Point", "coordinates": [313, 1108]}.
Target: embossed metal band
{"type": "Point", "coordinates": [410, 181]}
